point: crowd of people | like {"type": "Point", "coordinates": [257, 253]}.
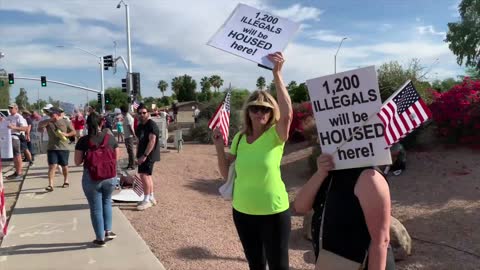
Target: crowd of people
{"type": "Point", "coordinates": [351, 207]}
{"type": "Point", "coordinates": [89, 133]}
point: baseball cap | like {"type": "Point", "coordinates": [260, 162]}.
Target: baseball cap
{"type": "Point", "coordinates": [12, 105]}
{"type": "Point", "coordinates": [47, 107]}
{"type": "Point", "coordinates": [55, 110]}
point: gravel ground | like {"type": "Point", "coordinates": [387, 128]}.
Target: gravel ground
{"type": "Point", "coordinates": [437, 199]}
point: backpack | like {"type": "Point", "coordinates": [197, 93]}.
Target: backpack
{"type": "Point", "coordinates": [101, 160]}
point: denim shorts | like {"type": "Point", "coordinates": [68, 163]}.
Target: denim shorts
{"type": "Point", "coordinates": [59, 157]}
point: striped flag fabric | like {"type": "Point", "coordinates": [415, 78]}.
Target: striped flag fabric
{"type": "Point", "coordinates": [3, 213]}
{"type": "Point", "coordinates": [137, 185]}
{"type": "Point", "coordinates": [221, 118]}
{"type": "Point", "coordinates": [135, 104]}
{"type": "Point", "coordinates": [402, 113]}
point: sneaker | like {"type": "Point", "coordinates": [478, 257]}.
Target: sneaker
{"type": "Point", "coordinates": [14, 176]}
{"type": "Point", "coordinates": [144, 205]}
{"type": "Point", "coordinates": [153, 201]}
{"type": "Point", "coordinates": [110, 235]}
{"type": "Point", "coordinates": [99, 243]}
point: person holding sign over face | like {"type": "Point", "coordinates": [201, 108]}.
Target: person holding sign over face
{"type": "Point", "coordinates": [351, 215]}
{"type": "Point", "coordinates": [260, 200]}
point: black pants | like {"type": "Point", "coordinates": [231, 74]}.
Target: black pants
{"type": "Point", "coordinates": [129, 146]}
{"type": "Point", "coordinates": [264, 238]}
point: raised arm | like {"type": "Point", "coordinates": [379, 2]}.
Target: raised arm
{"type": "Point", "coordinates": [306, 196]}
{"type": "Point", "coordinates": [374, 196]}
{"type": "Point", "coordinates": [283, 99]}
{"type": "Point", "coordinates": [224, 159]}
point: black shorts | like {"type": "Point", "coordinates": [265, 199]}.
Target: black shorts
{"type": "Point", "coordinates": [59, 157]}
{"type": "Point", "coordinates": [146, 167]}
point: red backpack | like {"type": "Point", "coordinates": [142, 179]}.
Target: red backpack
{"type": "Point", "coordinates": [101, 160]}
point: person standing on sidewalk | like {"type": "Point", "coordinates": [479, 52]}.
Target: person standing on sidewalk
{"type": "Point", "coordinates": [79, 124]}
{"type": "Point", "coordinates": [129, 135]}
{"type": "Point", "coordinates": [18, 126]}
{"type": "Point", "coordinates": [58, 130]}
{"type": "Point", "coordinates": [148, 152]}
{"type": "Point", "coordinates": [28, 149]}
{"type": "Point", "coordinates": [98, 192]}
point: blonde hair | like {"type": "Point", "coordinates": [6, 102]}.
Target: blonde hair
{"type": "Point", "coordinates": [260, 96]}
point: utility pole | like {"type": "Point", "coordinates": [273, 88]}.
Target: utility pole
{"type": "Point", "coordinates": [102, 85]}
{"type": "Point", "coordinates": [129, 50]}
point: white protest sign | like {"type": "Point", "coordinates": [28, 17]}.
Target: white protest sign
{"type": "Point", "coordinates": [6, 150]}
{"type": "Point", "coordinates": [68, 108]}
{"type": "Point", "coordinates": [253, 34]}
{"type": "Point", "coordinates": [345, 107]}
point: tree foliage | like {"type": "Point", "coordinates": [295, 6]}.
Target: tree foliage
{"type": "Point", "coordinates": [162, 86]}
{"type": "Point", "coordinates": [22, 99]}
{"type": "Point", "coordinates": [444, 85]}
{"type": "Point", "coordinates": [4, 90]}
{"type": "Point", "coordinates": [464, 36]}
{"type": "Point", "coordinates": [238, 98]}
{"type": "Point", "coordinates": [261, 83]}
{"type": "Point", "coordinates": [186, 88]}
{"type": "Point", "coordinates": [298, 94]}
{"type": "Point", "coordinates": [216, 82]}
{"type": "Point", "coordinates": [392, 76]}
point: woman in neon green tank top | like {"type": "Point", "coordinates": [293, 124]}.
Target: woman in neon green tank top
{"type": "Point", "coordinates": [260, 200]}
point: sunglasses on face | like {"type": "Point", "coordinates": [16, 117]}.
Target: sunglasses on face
{"type": "Point", "coordinates": [257, 108]}
{"type": "Point", "coordinates": [142, 112]}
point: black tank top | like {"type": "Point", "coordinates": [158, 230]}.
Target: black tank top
{"type": "Point", "coordinates": [345, 230]}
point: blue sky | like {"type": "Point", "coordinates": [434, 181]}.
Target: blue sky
{"type": "Point", "coordinates": [168, 40]}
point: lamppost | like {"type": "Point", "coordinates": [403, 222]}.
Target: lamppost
{"type": "Point", "coordinates": [335, 57]}
{"type": "Point", "coordinates": [129, 48]}
{"type": "Point", "coordinates": [102, 82]}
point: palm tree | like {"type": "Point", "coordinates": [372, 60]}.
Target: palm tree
{"type": "Point", "coordinates": [216, 82]}
{"type": "Point", "coordinates": [261, 83]}
{"type": "Point", "coordinates": [206, 84]}
{"type": "Point", "coordinates": [162, 86]}
{"type": "Point", "coordinates": [177, 84]}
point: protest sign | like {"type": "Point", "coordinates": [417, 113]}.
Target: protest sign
{"type": "Point", "coordinates": [253, 34]}
{"type": "Point", "coordinates": [68, 108]}
{"type": "Point", "coordinates": [39, 145]}
{"type": "Point", "coordinates": [6, 150]}
{"type": "Point", "coordinates": [345, 107]}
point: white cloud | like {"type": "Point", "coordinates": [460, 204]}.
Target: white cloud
{"type": "Point", "coordinates": [429, 30]}
{"type": "Point", "coordinates": [299, 13]}
{"type": "Point", "coordinates": [180, 32]}
{"type": "Point", "coordinates": [385, 27]}
{"type": "Point", "coordinates": [326, 35]}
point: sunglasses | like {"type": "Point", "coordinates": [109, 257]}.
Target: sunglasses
{"type": "Point", "coordinates": [258, 108]}
{"type": "Point", "coordinates": [142, 112]}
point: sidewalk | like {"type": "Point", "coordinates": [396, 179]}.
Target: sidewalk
{"type": "Point", "coordinates": [52, 230]}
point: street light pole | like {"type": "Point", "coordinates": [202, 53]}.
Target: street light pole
{"type": "Point", "coordinates": [129, 49]}
{"type": "Point", "coordinates": [102, 83]}
{"type": "Point", "coordinates": [335, 57]}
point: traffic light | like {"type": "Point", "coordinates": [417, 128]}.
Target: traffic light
{"type": "Point", "coordinates": [43, 79]}
{"type": "Point", "coordinates": [107, 62]}
{"type": "Point", "coordinates": [135, 83]}
{"type": "Point", "coordinates": [11, 79]}
{"type": "Point", "coordinates": [124, 85]}
{"type": "Point", "coordinates": [107, 98]}
{"type": "Point", "coordinates": [99, 98]}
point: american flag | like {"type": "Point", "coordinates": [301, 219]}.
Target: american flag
{"type": "Point", "coordinates": [221, 118]}
{"type": "Point", "coordinates": [3, 213]}
{"type": "Point", "coordinates": [137, 185]}
{"type": "Point", "coordinates": [402, 113]}
{"type": "Point", "coordinates": [135, 104]}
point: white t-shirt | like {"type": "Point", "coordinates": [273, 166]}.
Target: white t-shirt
{"type": "Point", "coordinates": [18, 121]}
{"type": "Point", "coordinates": [127, 120]}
